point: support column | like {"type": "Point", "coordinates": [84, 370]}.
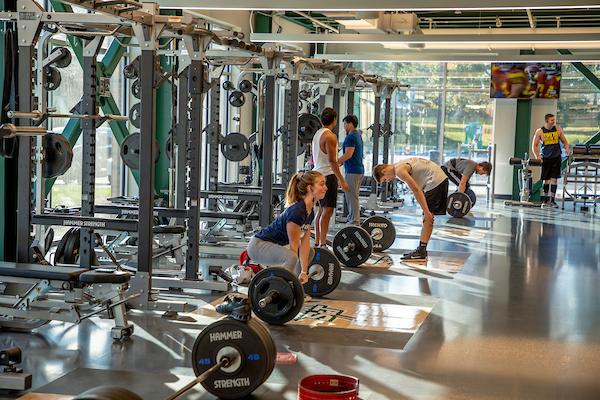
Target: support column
{"type": "Point", "coordinates": [266, 208]}
{"type": "Point", "coordinates": [387, 132]}
{"type": "Point", "coordinates": [147, 171]}
{"type": "Point", "coordinates": [290, 133]}
{"type": "Point", "coordinates": [376, 129]}
{"type": "Point", "coordinates": [195, 88]}
{"type": "Point", "coordinates": [89, 106]}
{"type": "Point", "coordinates": [214, 133]}
{"type": "Point", "coordinates": [181, 141]}
{"type": "Point", "coordinates": [25, 158]}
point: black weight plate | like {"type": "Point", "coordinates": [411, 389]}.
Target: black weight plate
{"type": "Point", "coordinates": [227, 85]}
{"type": "Point", "coordinates": [135, 115]}
{"type": "Point", "coordinates": [108, 393]}
{"type": "Point", "coordinates": [382, 231]}
{"type": "Point", "coordinates": [235, 147]}
{"type": "Point", "coordinates": [72, 247]}
{"type": "Point", "coordinates": [168, 147]}
{"type": "Point", "coordinates": [250, 368]}
{"type": "Point", "coordinates": [352, 246]}
{"type": "Point", "coordinates": [458, 204]}
{"type": "Point", "coordinates": [304, 94]}
{"type": "Point", "coordinates": [328, 278]}
{"type": "Point", "coordinates": [59, 254]}
{"type": "Point", "coordinates": [58, 155]}
{"type": "Point", "coordinates": [64, 60]}
{"type": "Point", "coordinates": [49, 239]}
{"type": "Point", "coordinates": [314, 107]}
{"type": "Point", "coordinates": [245, 86]}
{"type": "Point", "coordinates": [308, 125]}
{"type": "Point", "coordinates": [130, 71]}
{"type": "Point", "coordinates": [130, 150]}
{"type": "Point", "coordinates": [265, 333]}
{"type": "Point", "coordinates": [469, 192]}
{"type": "Point", "coordinates": [257, 290]}
{"type": "Point", "coordinates": [136, 90]}
{"type": "Point", "coordinates": [237, 99]}
{"type": "Point", "coordinates": [53, 78]}
{"type": "Point", "coordinates": [302, 146]}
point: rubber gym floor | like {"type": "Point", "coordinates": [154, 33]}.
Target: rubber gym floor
{"type": "Point", "coordinates": [507, 307]}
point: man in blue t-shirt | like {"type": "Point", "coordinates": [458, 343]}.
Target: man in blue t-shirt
{"type": "Point", "coordinates": [353, 164]}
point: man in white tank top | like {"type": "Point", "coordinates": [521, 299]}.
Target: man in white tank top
{"type": "Point", "coordinates": [429, 185]}
{"type": "Point", "coordinates": [324, 151]}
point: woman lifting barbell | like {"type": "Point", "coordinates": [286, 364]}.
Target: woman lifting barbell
{"type": "Point", "coordinates": [285, 241]}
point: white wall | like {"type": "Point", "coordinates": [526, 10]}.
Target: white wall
{"type": "Point", "coordinates": [503, 136]}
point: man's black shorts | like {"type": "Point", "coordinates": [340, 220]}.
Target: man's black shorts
{"type": "Point", "coordinates": [330, 198]}
{"type": "Point", "coordinates": [437, 198]}
{"type": "Point", "coordinates": [551, 168]}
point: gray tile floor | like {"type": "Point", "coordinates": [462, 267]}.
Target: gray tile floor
{"type": "Point", "coordinates": [521, 320]}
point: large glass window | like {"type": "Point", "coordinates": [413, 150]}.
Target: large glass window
{"type": "Point", "coordinates": [421, 75]}
{"type": "Point", "coordinates": [468, 76]}
{"type": "Point", "coordinates": [67, 188]}
{"type": "Point", "coordinates": [578, 106]}
{"type": "Point", "coordinates": [468, 121]}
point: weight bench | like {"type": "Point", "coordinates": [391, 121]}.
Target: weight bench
{"type": "Point", "coordinates": [35, 294]}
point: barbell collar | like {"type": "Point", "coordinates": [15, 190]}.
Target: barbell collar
{"type": "Point", "coordinates": [268, 299]}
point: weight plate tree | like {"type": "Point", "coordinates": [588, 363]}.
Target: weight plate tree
{"type": "Point", "coordinates": [252, 352]}
{"type": "Point", "coordinates": [324, 273]}
{"type": "Point", "coordinates": [382, 231]}
{"type": "Point", "coordinates": [276, 295]}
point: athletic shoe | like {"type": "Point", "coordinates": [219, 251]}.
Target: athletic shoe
{"type": "Point", "coordinates": [553, 204]}
{"type": "Point", "coordinates": [417, 255]}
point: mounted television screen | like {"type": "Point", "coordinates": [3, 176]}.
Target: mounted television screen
{"type": "Point", "coordinates": [525, 81]}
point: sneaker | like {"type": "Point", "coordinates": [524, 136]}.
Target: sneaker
{"type": "Point", "coordinates": [553, 204]}
{"type": "Point", "coordinates": [417, 255]}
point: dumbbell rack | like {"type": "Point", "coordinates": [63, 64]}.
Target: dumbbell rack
{"type": "Point", "coordinates": [583, 172]}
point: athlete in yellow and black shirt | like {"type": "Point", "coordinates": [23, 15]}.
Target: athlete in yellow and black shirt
{"type": "Point", "coordinates": [550, 137]}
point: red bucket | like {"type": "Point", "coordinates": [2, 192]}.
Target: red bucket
{"type": "Point", "coordinates": [328, 387]}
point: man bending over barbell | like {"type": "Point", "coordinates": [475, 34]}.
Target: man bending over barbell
{"type": "Point", "coordinates": [429, 185]}
{"type": "Point", "coordinates": [460, 170]}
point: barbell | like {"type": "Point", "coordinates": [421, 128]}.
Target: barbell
{"type": "Point", "coordinates": [276, 295]}
{"type": "Point", "coordinates": [230, 359]}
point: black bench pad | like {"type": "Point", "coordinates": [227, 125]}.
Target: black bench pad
{"type": "Point", "coordinates": [168, 229]}
{"type": "Point", "coordinates": [104, 276]}
{"type": "Point", "coordinates": [39, 271]}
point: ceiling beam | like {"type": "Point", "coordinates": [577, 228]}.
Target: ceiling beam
{"type": "Point", "coordinates": [378, 5]}
{"type": "Point", "coordinates": [459, 57]}
{"type": "Point", "coordinates": [563, 38]}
